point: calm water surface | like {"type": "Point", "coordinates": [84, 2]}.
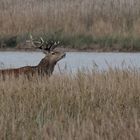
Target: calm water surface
{"type": "Point", "coordinates": [73, 60]}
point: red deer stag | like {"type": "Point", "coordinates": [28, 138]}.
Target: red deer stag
{"type": "Point", "coordinates": [45, 66]}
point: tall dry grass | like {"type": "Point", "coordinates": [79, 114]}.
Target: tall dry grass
{"type": "Point", "coordinates": [92, 105]}
{"type": "Point", "coordinates": [94, 17]}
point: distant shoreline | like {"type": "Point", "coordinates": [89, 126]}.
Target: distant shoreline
{"type": "Point", "coordinates": [70, 50]}
{"type": "Point", "coordinates": [75, 43]}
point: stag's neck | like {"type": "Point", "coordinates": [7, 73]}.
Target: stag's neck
{"type": "Point", "coordinates": [45, 67]}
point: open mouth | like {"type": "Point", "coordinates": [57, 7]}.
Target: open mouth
{"type": "Point", "coordinates": [62, 56]}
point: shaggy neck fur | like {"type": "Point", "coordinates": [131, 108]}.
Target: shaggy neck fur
{"type": "Point", "coordinates": [45, 66]}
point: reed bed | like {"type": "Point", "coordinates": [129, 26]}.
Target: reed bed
{"type": "Point", "coordinates": [90, 17]}
{"type": "Point", "coordinates": [87, 105]}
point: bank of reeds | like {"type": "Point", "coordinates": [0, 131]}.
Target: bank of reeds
{"type": "Point", "coordinates": [96, 17]}
{"type": "Point", "coordinates": [75, 21]}
{"type": "Point", "coordinates": [91, 105]}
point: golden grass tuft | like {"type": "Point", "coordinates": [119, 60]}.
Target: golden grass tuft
{"type": "Point", "coordinates": [91, 105]}
{"type": "Point", "coordinates": [94, 17]}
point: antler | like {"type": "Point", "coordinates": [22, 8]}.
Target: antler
{"type": "Point", "coordinates": [51, 45]}
{"type": "Point", "coordinates": [55, 45]}
{"type": "Point", "coordinates": [47, 46]}
{"type": "Point", "coordinates": [35, 43]}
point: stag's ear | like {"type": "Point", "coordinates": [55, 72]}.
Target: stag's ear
{"type": "Point", "coordinates": [53, 53]}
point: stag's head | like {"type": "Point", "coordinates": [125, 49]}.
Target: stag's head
{"type": "Point", "coordinates": [52, 55]}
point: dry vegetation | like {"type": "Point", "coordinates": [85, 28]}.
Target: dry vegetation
{"type": "Point", "coordinates": [95, 17]}
{"type": "Point", "coordinates": [83, 106]}
{"type": "Point", "coordinates": [91, 105]}
{"type": "Point", "coordinates": [109, 24]}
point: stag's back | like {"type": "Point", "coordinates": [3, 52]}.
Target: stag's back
{"type": "Point", "coordinates": [26, 71]}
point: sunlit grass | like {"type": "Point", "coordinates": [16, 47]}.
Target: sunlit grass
{"type": "Point", "coordinates": [91, 105]}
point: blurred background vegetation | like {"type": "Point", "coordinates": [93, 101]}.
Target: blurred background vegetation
{"type": "Point", "coordinates": [78, 23]}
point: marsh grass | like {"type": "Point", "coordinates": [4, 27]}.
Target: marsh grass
{"type": "Point", "coordinates": [94, 17]}
{"type": "Point", "coordinates": [77, 20]}
{"type": "Point", "coordinates": [93, 105]}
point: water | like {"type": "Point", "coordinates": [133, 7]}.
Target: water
{"type": "Point", "coordinates": [73, 60]}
